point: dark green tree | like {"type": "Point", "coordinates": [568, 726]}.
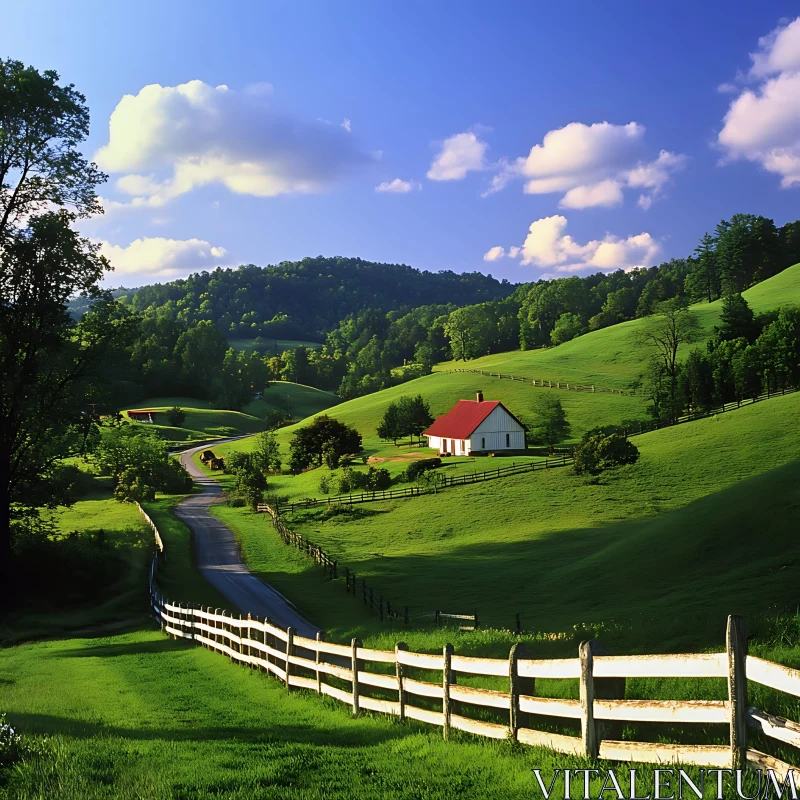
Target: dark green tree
{"type": "Point", "coordinates": [266, 454]}
{"type": "Point", "coordinates": [598, 452]}
{"type": "Point", "coordinates": [325, 438]}
{"type": "Point", "coordinates": [390, 426]}
{"type": "Point", "coordinates": [176, 416]}
{"type": "Point", "coordinates": [550, 425]}
{"type": "Point", "coordinates": [736, 320]}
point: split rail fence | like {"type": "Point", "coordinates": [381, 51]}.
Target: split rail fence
{"type": "Point", "coordinates": [571, 387]}
{"type": "Point", "coordinates": [425, 686]}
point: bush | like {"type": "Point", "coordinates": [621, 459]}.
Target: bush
{"type": "Point", "coordinates": [325, 484]}
{"type": "Point", "coordinates": [235, 461]}
{"type": "Point", "coordinates": [378, 479]}
{"type": "Point", "coordinates": [598, 452]}
{"type": "Point", "coordinates": [416, 468]}
{"type": "Point", "coordinates": [176, 416]}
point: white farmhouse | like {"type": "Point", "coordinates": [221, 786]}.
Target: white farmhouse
{"type": "Point", "coordinates": [477, 427]}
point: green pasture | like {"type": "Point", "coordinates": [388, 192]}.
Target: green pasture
{"type": "Point", "coordinates": [202, 421]}
{"type": "Point", "coordinates": [702, 526]}
{"type": "Point", "coordinates": [271, 345]}
{"type": "Point", "coordinates": [612, 357]}
{"type": "Point", "coordinates": [294, 399]}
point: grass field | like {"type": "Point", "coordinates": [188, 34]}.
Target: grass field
{"type": "Point", "coordinates": [611, 357]}
{"type": "Point", "coordinates": [272, 345]}
{"type": "Point", "coordinates": [202, 421]}
{"type": "Point", "coordinates": [295, 399]}
{"type": "Point", "coordinates": [702, 526]}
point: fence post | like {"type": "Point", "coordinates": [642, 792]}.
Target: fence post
{"type": "Point", "coordinates": [249, 638]}
{"type": "Point", "coordinates": [476, 621]}
{"type": "Point", "coordinates": [518, 624]}
{"type": "Point", "coordinates": [289, 653]}
{"type": "Point", "coordinates": [438, 622]}
{"type": "Point", "coordinates": [446, 678]}
{"type": "Point", "coordinates": [318, 660]}
{"type": "Point", "coordinates": [517, 686]}
{"type": "Point", "coordinates": [400, 673]}
{"type": "Point", "coordinates": [266, 643]}
{"type": "Point", "coordinates": [355, 644]}
{"type": "Point", "coordinates": [347, 580]}
{"type": "Point", "coordinates": [588, 733]}
{"type": "Point", "coordinates": [217, 626]}
{"type": "Point", "coordinates": [737, 689]}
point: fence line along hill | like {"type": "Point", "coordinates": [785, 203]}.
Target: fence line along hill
{"type": "Point", "coordinates": [425, 686]}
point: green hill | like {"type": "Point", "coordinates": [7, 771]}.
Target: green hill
{"type": "Point", "coordinates": [203, 421]}
{"type": "Point", "coordinates": [702, 526]}
{"type": "Point", "coordinates": [611, 357]}
{"type": "Point", "coordinates": [295, 399]}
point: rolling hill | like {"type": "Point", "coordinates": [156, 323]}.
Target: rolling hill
{"type": "Point", "coordinates": [611, 357]}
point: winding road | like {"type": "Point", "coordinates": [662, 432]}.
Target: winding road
{"type": "Point", "coordinates": [219, 561]}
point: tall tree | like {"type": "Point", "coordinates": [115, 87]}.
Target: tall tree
{"type": "Point", "coordinates": [672, 326]}
{"type": "Point", "coordinates": [46, 359]}
{"type": "Point", "coordinates": [550, 425]}
{"type": "Point", "coordinates": [737, 320]}
{"type": "Point", "coordinates": [702, 283]}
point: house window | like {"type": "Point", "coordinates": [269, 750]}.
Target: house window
{"type": "Point", "coordinates": [463, 447]}
{"type": "Point", "coordinates": [483, 444]}
{"type": "Point", "coordinates": [508, 440]}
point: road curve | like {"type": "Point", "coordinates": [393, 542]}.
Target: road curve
{"type": "Point", "coordinates": [218, 559]}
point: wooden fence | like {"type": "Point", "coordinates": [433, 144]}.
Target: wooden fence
{"type": "Point", "coordinates": [443, 482]}
{"type": "Point", "coordinates": [570, 387]}
{"type": "Point", "coordinates": [426, 687]}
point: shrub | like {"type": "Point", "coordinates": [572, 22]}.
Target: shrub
{"type": "Point", "coordinates": [325, 484]}
{"type": "Point", "coordinates": [236, 460]}
{"type": "Point", "coordinates": [378, 479]}
{"type": "Point", "coordinates": [416, 468]}
{"type": "Point", "coordinates": [176, 416]}
{"type": "Point", "coordinates": [598, 452]}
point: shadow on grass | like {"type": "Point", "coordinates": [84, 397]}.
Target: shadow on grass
{"type": "Point", "coordinates": [116, 650]}
{"type": "Point", "coordinates": [318, 733]}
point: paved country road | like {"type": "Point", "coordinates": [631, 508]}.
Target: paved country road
{"type": "Point", "coordinates": [217, 556]}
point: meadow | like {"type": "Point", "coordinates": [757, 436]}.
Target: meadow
{"type": "Point", "coordinates": [702, 526]}
{"type": "Point", "coordinates": [612, 357]}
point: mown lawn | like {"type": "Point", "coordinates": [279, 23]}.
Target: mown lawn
{"type": "Point", "coordinates": [295, 399]}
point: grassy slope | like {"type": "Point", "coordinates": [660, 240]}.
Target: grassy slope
{"type": "Point", "coordinates": [296, 399]}
{"type": "Point", "coordinates": [702, 525]}
{"type": "Point", "coordinates": [203, 421]}
{"type": "Point", "coordinates": [609, 357]}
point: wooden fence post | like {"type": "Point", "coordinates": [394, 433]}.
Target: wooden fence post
{"type": "Point", "coordinates": [217, 625]}
{"type": "Point", "coordinates": [400, 673]}
{"type": "Point", "coordinates": [446, 678]}
{"type": "Point", "coordinates": [289, 653]}
{"type": "Point", "coordinates": [588, 733]}
{"type": "Point", "coordinates": [355, 644]}
{"type": "Point", "coordinates": [318, 660]}
{"type": "Point", "coordinates": [249, 637]}
{"type": "Point", "coordinates": [737, 689]}
{"type": "Point", "coordinates": [266, 642]}
{"type": "Point", "coordinates": [518, 686]}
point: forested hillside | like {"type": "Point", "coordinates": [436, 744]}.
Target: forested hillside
{"type": "Point", "coordinates": [305, 299]}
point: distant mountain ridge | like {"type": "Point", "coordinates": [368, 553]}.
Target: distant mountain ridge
{"type": "Point", "coordinates": [305, 299]}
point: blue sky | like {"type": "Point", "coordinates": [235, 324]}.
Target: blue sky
{"type": "Point", "coordinates": [327, 101]}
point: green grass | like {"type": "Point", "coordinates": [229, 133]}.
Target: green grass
{"type": "Point", "coordinates": [202, 421]}
{"type": "Point", "coordinates": [702, 526]}
{"type": "Point", "coordinates": [295, 399]}
{"type": "Point", "coordinates": [611, 357]}
{"type": "Point", "coordinates": [275, 345]}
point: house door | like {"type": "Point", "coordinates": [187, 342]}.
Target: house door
{"type": "Point", "coordinates": [452, 447]}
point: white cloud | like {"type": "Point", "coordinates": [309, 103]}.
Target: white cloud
{"type": "Point", "coordinates": [591, 164]}
{"type": "Point", "coordinates": [494, 253]}
{"type": "Point", "coordinates": [728, 88]}
{"type": "Point", "coordinates": [169, 140]}
{"type": "Point", "coordinates": [605, 193]}
{"type": "Point", "coordinates": [397, 186]}
{"type": "Point", "coordinates": [547, 246]}
{"type": "Point", "coordinates": [762, 124]}
{"type": "Point", "coordinates": [159, 257]}
{"type": "Point", "coordinates": [459, 154]}
{"type": "Point", "coordinates": [779, 51]}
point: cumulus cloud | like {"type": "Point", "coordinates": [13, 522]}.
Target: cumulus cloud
{"type": "Point", "coordinates": [762, 124]}
{"type": "Point", "coordinates": [169, 140]}
{"type": "Point", "coordinates": [397, 186]}
{"type": "Point", "coordinates": [458, 155]}
{"type": "Point", "coordinates": [494, 253]}
{"type": "Point", "coordinates": [547, 245]}
{"type": "Point", "coordinates": [159, 257]}
{"type": "Point", "coordinates": [591, 165]}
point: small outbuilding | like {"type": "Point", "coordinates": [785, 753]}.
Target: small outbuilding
{"type": "Point", "coordinates": [477, 427]}
{"type": "Point", "coordinates": [142, 415]}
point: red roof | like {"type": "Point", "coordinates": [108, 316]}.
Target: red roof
{"type": "Point", "coordinates": [462, 419]}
